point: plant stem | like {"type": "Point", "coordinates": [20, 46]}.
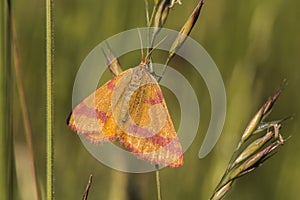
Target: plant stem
{"type": "Point", "coordinates": [49, 84]}
{"type": "Point", "coordinates": [158, 184]}
{"type": "Point", "coordinates": [6, 137]}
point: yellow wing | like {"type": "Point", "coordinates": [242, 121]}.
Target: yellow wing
{"type": "Point", "coordinates": [93, 118]}
{"type": "Point", "coordinates": [130, 107]}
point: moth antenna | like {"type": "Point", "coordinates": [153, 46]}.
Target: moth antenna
{"type": "Point", "coordinates": [141, 42]}
{"type": "Point", "coordinates": [152, 49]}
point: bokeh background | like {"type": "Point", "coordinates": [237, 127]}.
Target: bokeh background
{"type": "Point", "coordinates": [255, 45]}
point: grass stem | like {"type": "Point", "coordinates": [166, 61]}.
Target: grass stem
{"type": "Point", "coordinates": [158, 188]}
{"type": "Point", "coordinates": [6, 137]}
{"type": "Point", "coordinates": [49, 102]}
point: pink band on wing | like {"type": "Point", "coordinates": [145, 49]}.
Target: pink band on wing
{"type": "Point", "coordinates": [140, 131]}
{"type": "Point", "coordinates": [102, 116]}
{"type": "Point", "coordinates": [111, 85]}
{"type": "Point", "coordinates": [157, 100]}
{"type": "Point", "coordinates": [84, 110]}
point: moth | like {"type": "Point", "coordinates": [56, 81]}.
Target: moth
{"type": "Point", "coordinates": [130, 108]}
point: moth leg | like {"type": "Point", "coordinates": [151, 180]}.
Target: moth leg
{"type": "Point", "coordinates": [152, 72]}
{"type": "Point", "coordinates": [157, 77]}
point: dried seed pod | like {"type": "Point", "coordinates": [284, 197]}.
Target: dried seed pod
{"type": "Point", "coordinates": [254, 161]}
{"type": "Point", "coordinates": [186, 29]}
{"type": "Point", "coordinates": [259, 116]}
{"type": "Point", "coordinates": [253, 147]}
{"type": "Point", "coordinates": [114, 65]}
{"type": "Point", "coordinates": [252, 126]}
{"type": "Point", "coordinates": [220, 193]}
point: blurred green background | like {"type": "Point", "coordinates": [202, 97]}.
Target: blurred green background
{"type": "Point", "coordinates": [255, 45]}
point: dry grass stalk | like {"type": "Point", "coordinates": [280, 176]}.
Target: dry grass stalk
{"type": "Point", "coordinates": [87, 189]}
{"type": "Point", "coordinates": [24, 107]}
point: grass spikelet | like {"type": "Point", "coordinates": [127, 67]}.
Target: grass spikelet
{"type": "Point", "coordinates": [256, 151]}
{"type": "Point", "coordinates": [186, 29]}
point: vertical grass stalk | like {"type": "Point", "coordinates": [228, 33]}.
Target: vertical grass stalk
{"type": "Point", "coordinates": [49, 102]}
{"type": "Point", "coordinates": [6, 153]}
